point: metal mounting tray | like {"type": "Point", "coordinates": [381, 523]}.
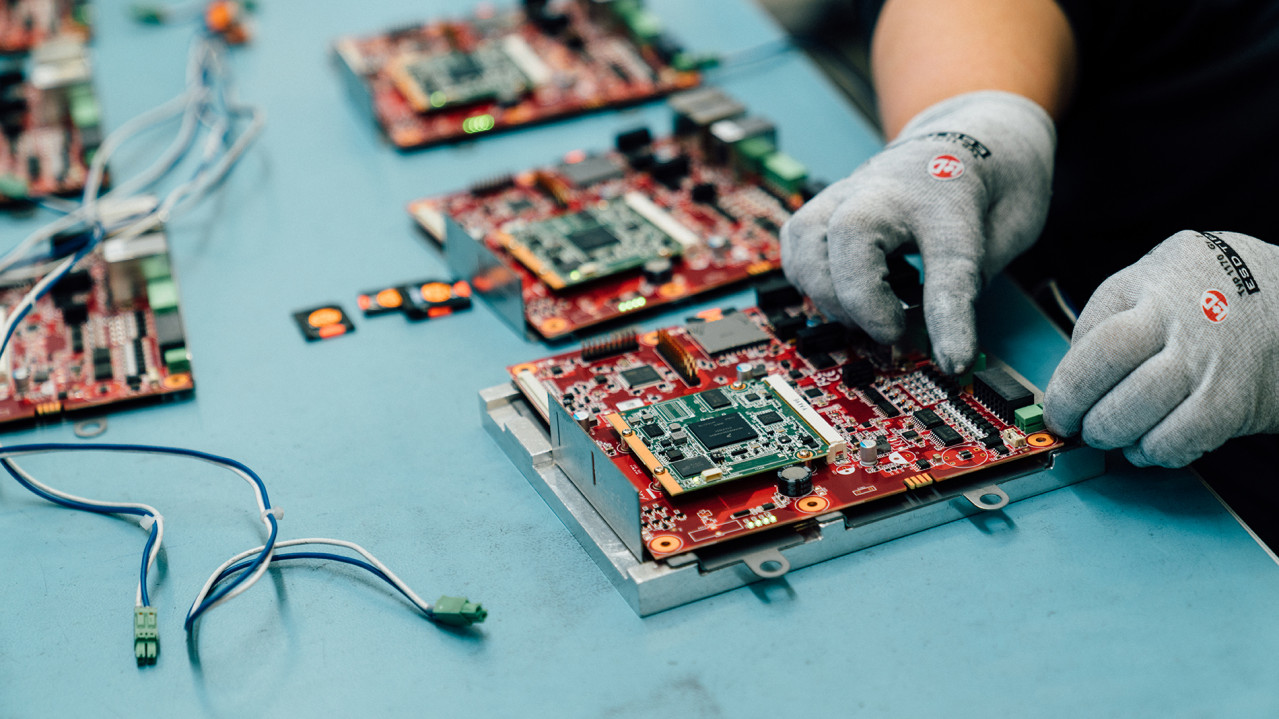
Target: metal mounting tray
{"type": "Point", "coordinates": [561, 469]}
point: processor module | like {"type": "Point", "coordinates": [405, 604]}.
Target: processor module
{"type": "Point", "coordinates": [449, 80]}
{"type": "Point", "coordinates": [600, 236]}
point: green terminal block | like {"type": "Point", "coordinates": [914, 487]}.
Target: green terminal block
{"type": "Point", "coordinates": [749, 154]}
{"type": "Point", "coordinates": [784, 174]}
{"type": "Point", "coordinates": [1029, 419]}
{"type": "Point", "coordinates": [177, 359]}
{"type": "Point", "coordinates": [458, 612]}
{"type": "Point", "coordinates": [146, 636]}
{"type": "Point", "coordinates": [85, 111]}
{"type": "Point", "coordinates": [13, 187]}
{"type": "Point", "coordinates": [156, 267]}
{"type": "Point", "coordinates": [688, 61]}
{"type": "Point", "coordinates": [149, 14]}
{"type": "Point", "coordinates": [162, 294]}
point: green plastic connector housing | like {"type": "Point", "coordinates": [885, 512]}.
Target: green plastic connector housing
{"type": "Point", "coordinates": [784, 174]}
{"type": "Point", "coordinates": [749, 154]}
{"type": "Point", "coordinates": [13, 187]}
{"type": "Point", "coordinates": [177, 359]}
{"type": "Point", "coordinates": [156, 267]}
{"type": "Point", "coordinates": [688, 61]}
{"type": "Point", "coordinates": [146, 636]}
{"type": "Point", "coordinates": [1030, 418]}
{"type": "Point", "coordinates": [458, 612]}
{"type": "Point", "coordinates": [162, 294]}
{"type": "Point", "coordinates": [85, 111]}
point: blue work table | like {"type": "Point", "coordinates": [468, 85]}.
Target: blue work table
{"type": "Point", "coordinates": [1133, 594]}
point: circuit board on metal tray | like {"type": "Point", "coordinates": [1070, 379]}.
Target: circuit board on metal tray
{"type": "Point", "coordinates": [108, 333]}
{"type": "Point", "coordinates": [27, 23]}
{"type": "Point", "coordinates": [725, 429]}
{"type": "Point", "coordinates": [454, 79]}
{"type": "Point", "coordinates": [50, 121]}
{"type": "Point", "coordinates": [602, 236]}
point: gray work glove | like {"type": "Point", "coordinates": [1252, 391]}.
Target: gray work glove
{"type": "Point", "coordinates": [967, 182]}
{"type": "Point", "coordinates": [1177, 353]}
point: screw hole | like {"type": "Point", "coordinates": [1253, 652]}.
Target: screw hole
{"type": "Point", "coordinates": [991, 499]}
{"type": "Point", "coordinates": [771, 566]}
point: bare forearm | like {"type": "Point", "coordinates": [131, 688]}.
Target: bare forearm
{"type": "Point", "coordinates": [925, 51]}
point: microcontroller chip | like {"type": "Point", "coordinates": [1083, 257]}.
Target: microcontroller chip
{"type": "Point", "coordinates": [590, 239]}
{"type": "Point", "coordinates": [640, 376]}
{"type": "Point", "coordinates": [600, 241]}
{"type": "Point", "coordinates": [928, 418]}
{"type": "Point", "coordinates": [947, 436]}
{"type": "Point", "coordinates": [733, 332]}
{"type": "Point", "coordinates": [592, 170]}
{"type": "Point", "coordinates": [769, 417]}
{"type": "Point", "coordinates": [693, 466]}
{"type": "Point", "coordinates": [722, 431]}
{"type": "Point", "coordinates": [653, 430]}
{"type": "Point", "coordinates": [813, 392]}
{"type": "Point", "coordinates": [715, 399]}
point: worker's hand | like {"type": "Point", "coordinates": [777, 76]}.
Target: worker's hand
{"type": "Point", "coordinates": [967, 182]}
{"type": "Point", "coordinates": [1177, 353]}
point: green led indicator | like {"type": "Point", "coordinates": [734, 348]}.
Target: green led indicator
{"type": "Point", "coordinates": [631, 304]}
{"type": "Point", "coordinates": [479, 123]}
{"type": "Point", "coordinates": [438, 98]}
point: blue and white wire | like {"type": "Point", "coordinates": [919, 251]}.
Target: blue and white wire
{"type": "Point", "coordinates": [189, 103]}
{"type": "Point", "coordinates": [205, 601]}
{"type": "Point", "coordinates": [231, 566]}
{"type": "Point", "coordinates": [1063, 302]}
{"type": "Point", "coordinates": [145, 511]}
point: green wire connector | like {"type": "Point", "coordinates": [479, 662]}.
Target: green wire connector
{"type": "Point", "coordinates": [149, 14]}
{"type": "Point", "coordinates": [688, 62]}
{"type": "Point", "coordinates": [457, 612]}
{"type": "Point", "coordinates": [146, 636]}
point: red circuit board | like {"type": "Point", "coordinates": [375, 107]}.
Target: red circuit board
{"type": "Point", "coordinates": [688, 521]}
{"type": "Point", "coordinates": [26, 23]}
{"type": "Point", "coordinates": [48, 372]}
{"type": "Point", "coordinates": [47, 134]}
{"type": "Point", "coordinates": [588, 64]}
{"type": "Point", "coordinates": [739, 229]}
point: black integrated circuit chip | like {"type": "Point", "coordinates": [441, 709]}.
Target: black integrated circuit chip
{"type": "Point", "coordinates": [732, 332]}
{"type": "Point", "coordinates": [715, 399]}
{"type": "Point", "coordinates": [592, 170]}
{"type": "Point", "coordinates": [641, 376]}
{"type": "Point", "coordinates": [693, 466]}
{"type": "Point", "coordinates": [947, 436]}
{"type": "Point", "coordinates": [722, 431]}
{"type": "Point", "coordinates": [928, 419]}
{"type": "Point", "coordinates": [768, 417]}
{"type": "Point", "coordinates": [653, 430]}
{"type": "Point", "coordinates": [590, 239]}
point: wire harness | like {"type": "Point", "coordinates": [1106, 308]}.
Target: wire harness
{"type": "Point", "coordinates": [208, 108]}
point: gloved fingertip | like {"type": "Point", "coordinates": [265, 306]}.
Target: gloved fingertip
{"type": "Point", "coordinates": [954, 355]}
{"type": "Point", "coordinates": [1137, 458]}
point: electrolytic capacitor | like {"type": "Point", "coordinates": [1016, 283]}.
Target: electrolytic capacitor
{"type": "Point", "coordinates": [657, 271]}
{"type": "Point", "coordinates": [21, 379]}
{"type": "Point", "coordinates": [868, 452]}
{"type": "Point", "coordinates": [795, 480]}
